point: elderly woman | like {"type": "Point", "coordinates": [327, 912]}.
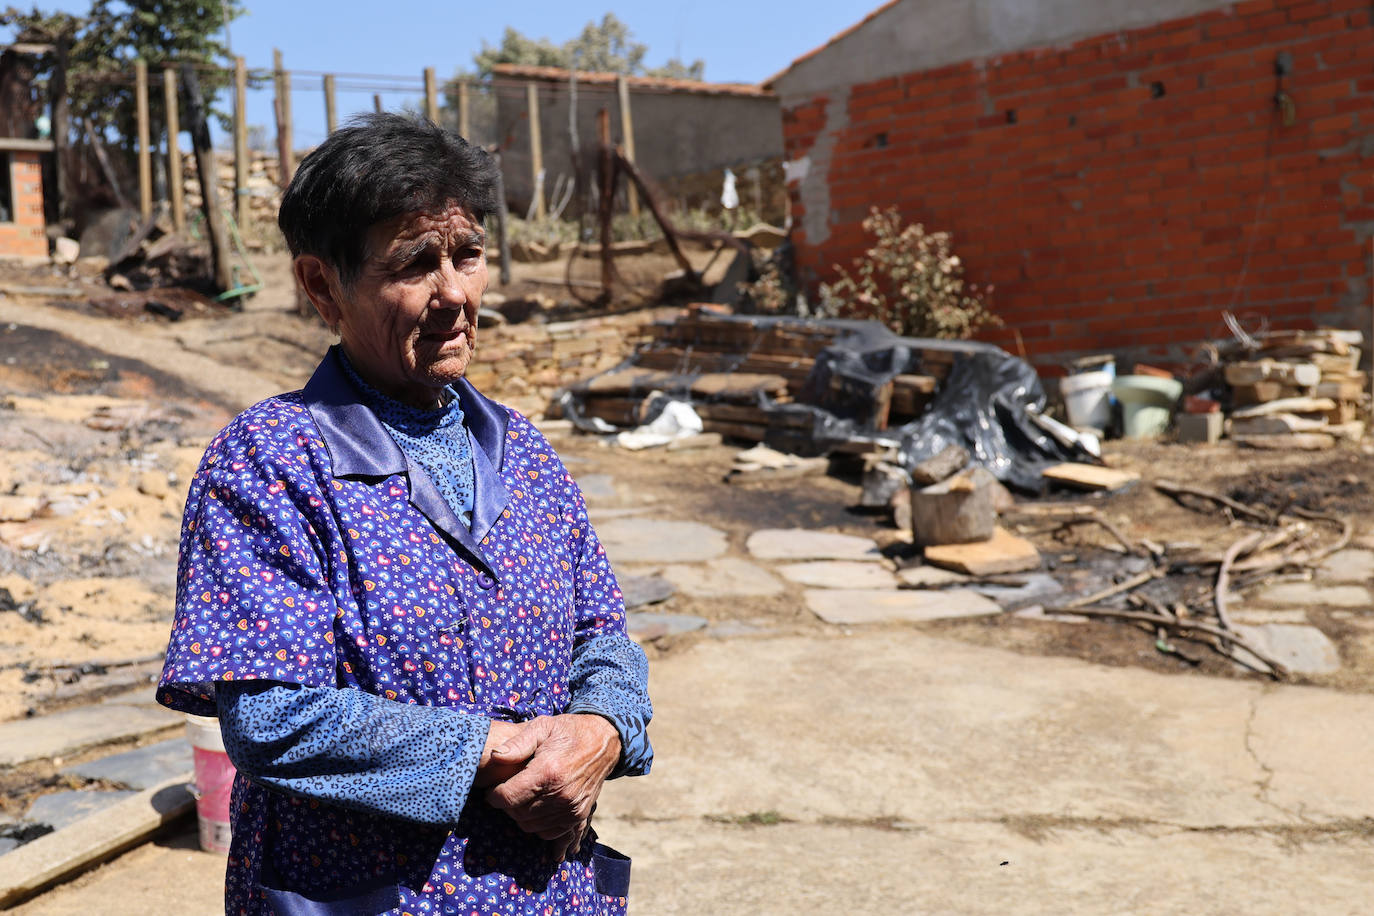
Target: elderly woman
{"type": "Point", "coordinates": [389, 591]}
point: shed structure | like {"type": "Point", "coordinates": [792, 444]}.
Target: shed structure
{"type": "Point", "coordinates": [1122, 173]}
{"type": "Point", "coordinates": [23, 232]}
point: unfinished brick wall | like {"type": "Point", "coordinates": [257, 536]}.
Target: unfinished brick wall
{"type": "Point", "coordinates": [24, 237]}
{"type": "Point", "coordinates": [1123, 191]}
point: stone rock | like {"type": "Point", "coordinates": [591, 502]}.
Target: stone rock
{"type": "Point", "coordinates": [645, 625]}
{"type": "Point", "coordinates": [858, 606]}
{"type": "Point", "coordinates": [930, 577]}
{"type": "Point", "coordinates": [1303, 649]}
{"type": "Point", "coordinates": [802, 544]}
{"type": "Point", "coordinates": [65, 250]}
{"type": "Point", "coordinates": [60, 809]}
{"type": "Point", "coordinates": [7, 843]}
{"type": "Point", "coordinates": [727, 577]}
{"type": "Point", "coordinates": [642, 590]}
{"type": "Point", "coordinates": [141, 768]}
{"type": "Point", "coordinates": [154, 483]}
{"type": "Point", "coordinates": [643, 540]}
{"type": "Point", "coordinates": [1252, 616]}
{"type": "Point", "coordinates": [1307, 594]}
{"type": "Point", "coordinates": [839, 574]}
{"type": "Point", "coordinates": [1349, 565]}
{"type": "Point", "coordinates": [18, 508]}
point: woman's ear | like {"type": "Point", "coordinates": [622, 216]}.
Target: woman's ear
{"type": "Point", "coordinates": [321, 283]}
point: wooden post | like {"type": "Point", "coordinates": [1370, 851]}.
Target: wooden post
{"type": "Point", "coordinates": [145, 161]}
{"type": "Point", "coordinates": [331, 118]}
{"type": "Point", "coordinates": [240, 142]}
{"type": "Point", "coordinates": [536, 148]}
{"type": "Point", "coordinates": [377, 102]}
{"type": "Point", "coordinates": [463, 125]}
{"type": "Point", "coordinates": [502, 223]}
{"type": "Point", "coordinates": [169, 101]}
{"type": "Point", "coordinates": [286, 164]}
{"type": "Point", "coordinates": [607, 162]}
{"type": "Point", "coordinates": [431, 96]}
{"type": "Point", "coordinates": [627, 129]}
{"type": "Point", "coordinates": [61, 122]}
{"type": "Point", "coordinates": [205, 170]}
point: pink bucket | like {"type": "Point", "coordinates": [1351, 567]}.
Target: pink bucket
{"type": "Point", "coordinates": [214, 782]}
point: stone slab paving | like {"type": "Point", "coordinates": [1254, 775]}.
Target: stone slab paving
{"type": "Point", "coordinates": [67, 732]}
{"type": "Point", "coordinates": [859, 606]}
{"type": "Point", "coordinates": [58, 809]}
{"type": "Point", "coordinates": [1256, 616]}
{"type": "Point", "coordinates": [644, 590]}
{"type": "Point", "coordinates": [1309, 594]}
{"type": "Point", "coordinates": [1350, 565]}
{"type": "Point", "coordinates": [727, 577]}
{"type": "Point", "coordinates": [142, 767]}
{"type": "Point", "coordinates": [1302, 649]}
{"type": "Point", "coordinates": [801, 544]}
{"type": "Point", "coordinates": [644, 540]}
{"type": "Point", "coordinates": [653, 624]}
{"type": "Point", "coordinates": [839, 574]}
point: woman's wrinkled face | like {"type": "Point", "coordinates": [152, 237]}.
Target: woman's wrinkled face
{"type": "Point", "coordinates": [408, 321]}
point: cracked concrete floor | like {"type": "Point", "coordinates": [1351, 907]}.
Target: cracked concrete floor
{"type": "Point", "coordinates": [886, 771]}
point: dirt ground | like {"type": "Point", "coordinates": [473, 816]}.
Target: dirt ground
{"type": "Point", "coordinates": [102, 422]}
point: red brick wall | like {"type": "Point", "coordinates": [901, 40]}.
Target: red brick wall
{"type": "Point", "coordinates": [1110, 217]}
{"type": "Point", "coordinates": [24, 237]}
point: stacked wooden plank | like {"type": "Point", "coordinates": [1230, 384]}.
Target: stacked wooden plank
{"type": "Point", "coordinates": [1297, 389]}
{"type": "Point", "coordinates": [731, 368]}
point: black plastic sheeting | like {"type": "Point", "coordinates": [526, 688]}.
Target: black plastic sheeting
{"type": "Point", "coordinates": [984, 404]}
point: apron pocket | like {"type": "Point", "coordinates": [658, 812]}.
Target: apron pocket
{"type": "Point", "coordinates": [612, 871]}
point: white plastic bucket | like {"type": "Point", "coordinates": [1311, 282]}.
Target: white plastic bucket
{"type": "Point", "coordinates": [1087, 398]}
{"type": "Point", "coordinates": [214, 782]}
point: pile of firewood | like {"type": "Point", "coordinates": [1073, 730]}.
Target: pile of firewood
{"type": "Point", "coordinates": [1296, 389]}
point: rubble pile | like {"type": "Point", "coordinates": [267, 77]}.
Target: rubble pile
{"type": "Point", "coordinates": [736, 372]}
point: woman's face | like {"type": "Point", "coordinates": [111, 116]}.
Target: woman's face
{"type": "Point", "coordinates": [408, 321]}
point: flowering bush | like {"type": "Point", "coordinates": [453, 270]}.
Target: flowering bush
{"type": "Point", "coordinates": [910, 281]}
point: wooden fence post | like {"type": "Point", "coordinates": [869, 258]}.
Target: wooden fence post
{"type": "Point", "coordinates": [536, 148]}
{"type": "Point", "coordinates": [240, 142]}
{"type": "Point", "coordinates": [377, 102]}
{"type": "Point", "coordinates": [145, 161]}
{"type": "Point", "coordinates": [464, 128]}
{"type": "Point", "coordinates": [174, 189]}
{"type": "Point", "coordinates": [331, 118]}
{"type": "Point", "coordinates": [209, 183]}
{"type": "Point", "coordinates": [61, 123]}
{"type": "Point", "coordinates": [431, 96]}
{"type": "Point", "coordinates": [627, 129]}
{"type": "Point", "coordinates": [286, 156]}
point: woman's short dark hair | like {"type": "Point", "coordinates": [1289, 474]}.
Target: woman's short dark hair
{"type": "Point", "coordinates": [378, 167]}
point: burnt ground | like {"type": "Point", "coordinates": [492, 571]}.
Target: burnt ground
{"type": "Point", "coordinates": [103, 418]}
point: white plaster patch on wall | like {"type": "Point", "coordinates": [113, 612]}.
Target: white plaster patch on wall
{"type": "Point", "coordinates": [797, 169]}
{"type": "Point", "coordinates": [815, 186]}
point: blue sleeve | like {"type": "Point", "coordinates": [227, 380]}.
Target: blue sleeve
{"type": "Point", "coordinates": [354, 749]}
{"type": "Point", "coordinates": [610, 678]}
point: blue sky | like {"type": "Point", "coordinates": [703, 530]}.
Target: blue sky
{"type": "Point", "coordinates": [739, 41]}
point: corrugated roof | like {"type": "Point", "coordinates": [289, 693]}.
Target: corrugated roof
{"type": "Point", "coordinates": [768, 83]}
{"type": "Point", "coordinates": [650, 83]}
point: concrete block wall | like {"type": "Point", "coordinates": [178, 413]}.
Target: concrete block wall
{"type": "Point", "coordinates": [25, 237]}
{"type": "Point", "coordinates": [1120, 191]}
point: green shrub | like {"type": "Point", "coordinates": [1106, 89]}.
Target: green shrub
{"type": "Point", "coordinates": [910, 281]}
